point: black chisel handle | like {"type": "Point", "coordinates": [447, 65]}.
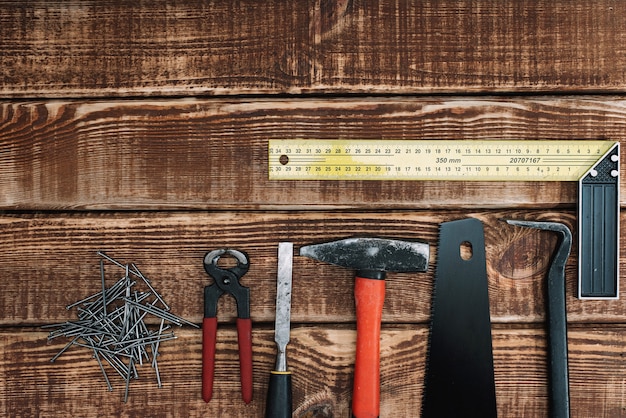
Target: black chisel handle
{"type": "Point", "coordinates": [279, 403]}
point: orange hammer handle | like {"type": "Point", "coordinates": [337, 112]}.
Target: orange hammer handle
{"type": "Point", "coordinates": [369, 295]}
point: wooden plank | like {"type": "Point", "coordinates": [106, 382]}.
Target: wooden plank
{"type": "Point", "coordinates": [122, 150]}
{"type": "Point", "coordinates": [72, 49]}
{"type": "Point", "coordinates": [213, 153]}
{"type": "Point", "coordinates": [321, 359]}
{"type": "Point", "coordinates": [50, 261]}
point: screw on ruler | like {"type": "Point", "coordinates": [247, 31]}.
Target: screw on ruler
{"type": "Point", "coordinates": [111, 324]}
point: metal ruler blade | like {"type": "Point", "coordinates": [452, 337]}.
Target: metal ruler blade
{"type": "Point", "coordinates": [489, 160]}
{"type": "Point", "coordinates": [594, 164]}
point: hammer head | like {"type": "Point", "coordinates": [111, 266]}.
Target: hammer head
{"type": "Point", "coordinates": [372, 254]}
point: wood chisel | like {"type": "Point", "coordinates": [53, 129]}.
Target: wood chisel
{"type": "Point", "coordinates": [279, 397]}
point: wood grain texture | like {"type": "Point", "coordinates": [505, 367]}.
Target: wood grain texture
{"type": "Point", "coordinates": [78, 48]}
{"type": "Point", "coordinates": [212, 154]}
{"type": "Point", "coordinates": [321, 359]}
{"type": "Point", "coordinates": [49, 261]}
{"type": "Point", "coordinates": [141, 129]}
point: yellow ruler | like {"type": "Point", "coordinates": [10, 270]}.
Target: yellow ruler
{"type": "Point", "coordinates": [484, 160]}
{"type": "Point", "coordinates": [594, 164]}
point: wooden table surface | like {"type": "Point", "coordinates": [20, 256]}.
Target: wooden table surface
{"type": "Point", "coordinates": [141, 129]}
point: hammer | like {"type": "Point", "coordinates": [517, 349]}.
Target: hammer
{"type": "Point", "coordinates": [371, 258]}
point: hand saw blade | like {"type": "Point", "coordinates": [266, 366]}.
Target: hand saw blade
{"type": "Point", "coordinates": [459, 372]}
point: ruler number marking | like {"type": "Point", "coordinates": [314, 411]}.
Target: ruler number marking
{"type": "Point", "coordinates": [423, 160]}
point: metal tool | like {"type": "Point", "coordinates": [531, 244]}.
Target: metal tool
{"type": "Point", "coordinates": [598, 229]}
{"type": "Point", "coordinates": [371, 258]}
{"type": "Point", "coordinates": [226, 281]}
{"type": "Point", "coordinates": [279, 397]}
{"type": "Point", "coordinates": [459, 379]}
{"type": "Point", "coordinates": [112, 325]}
{"type": "Point", "coordinates": [450, 160]}
{"type": "Point", "coordinates": [556, 316]}
{"type": "Point", "coordinates": [593, 164]}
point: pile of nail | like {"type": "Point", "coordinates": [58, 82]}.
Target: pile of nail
{"type": "Point", "coordinates": [112, 324]}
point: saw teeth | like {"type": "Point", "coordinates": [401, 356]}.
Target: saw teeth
{"type": "Point", "coordinates": [462, 371]}
{"type": "Point", "coordinates": [430, 321]}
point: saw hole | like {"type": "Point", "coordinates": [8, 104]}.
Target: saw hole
{"type": "Point", "coordinates": [466, 251]}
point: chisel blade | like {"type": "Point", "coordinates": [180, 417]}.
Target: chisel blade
{"type": "Point", "coordinates": [279, 403]}
{"type": "Point", "coordinates": [283, 301]}
{"type": "Point", "coordinates": [459, 378]}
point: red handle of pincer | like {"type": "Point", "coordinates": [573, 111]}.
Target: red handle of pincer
{"type": "Point", "coordinates": [244, 339]}
{"type": "Point", "coordinates": [209, 334]}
